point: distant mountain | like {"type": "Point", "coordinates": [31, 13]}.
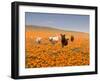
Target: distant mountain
{"type": "Point", "coordinates": [45, 28]}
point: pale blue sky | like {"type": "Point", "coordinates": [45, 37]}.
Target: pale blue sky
{"type": "Point", "coordinates": [69, 22]}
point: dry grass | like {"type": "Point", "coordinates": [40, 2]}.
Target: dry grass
{"type": "Point", "coordinates": [76, 53]}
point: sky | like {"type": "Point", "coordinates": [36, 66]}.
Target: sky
{"type": "Point", "coordinates": [70, 22]}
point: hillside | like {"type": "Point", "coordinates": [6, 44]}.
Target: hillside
{"type": "Point", "coordinates": [45, 28]}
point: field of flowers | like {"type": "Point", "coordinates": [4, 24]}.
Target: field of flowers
{"type": "Point", "coordinates": [46, 54]}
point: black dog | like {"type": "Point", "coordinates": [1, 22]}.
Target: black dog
{"type": "Point", "coordinates": [72, 38]}
{"type": "Point", "coordinates": [64, 41]}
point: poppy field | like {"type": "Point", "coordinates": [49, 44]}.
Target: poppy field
{"type": "Point", "coordinates": [45, 54]}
